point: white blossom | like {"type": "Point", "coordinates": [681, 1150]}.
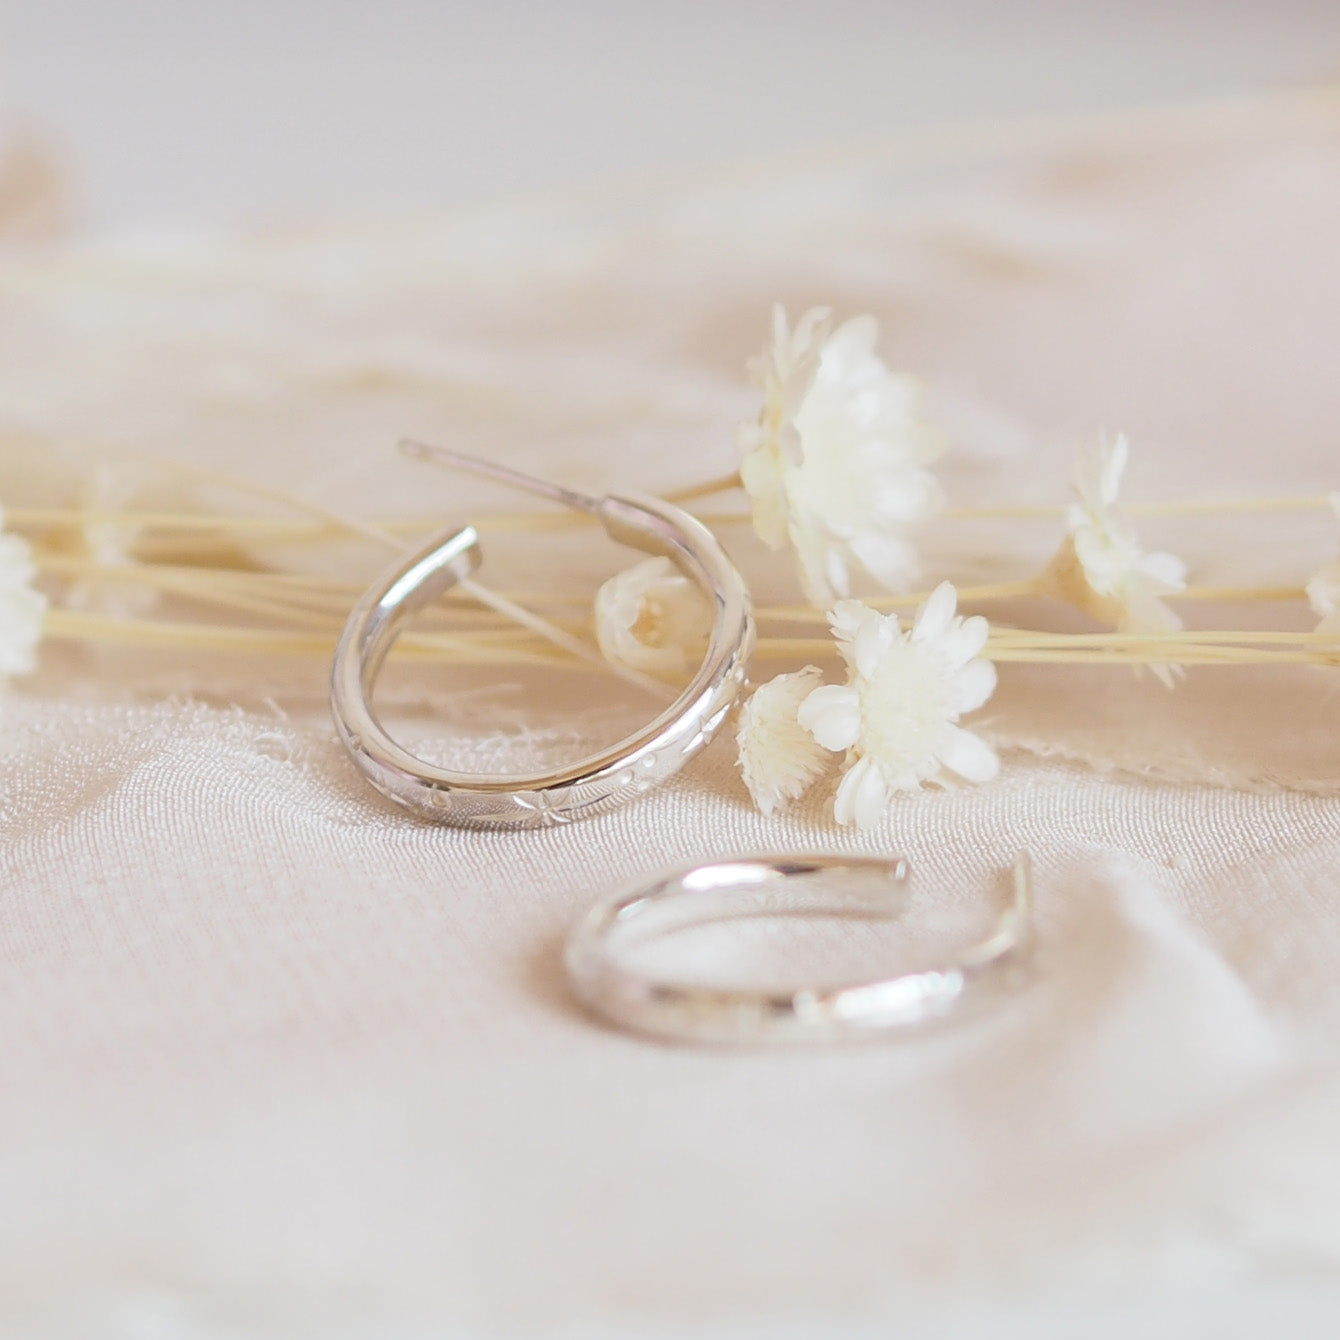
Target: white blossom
{"type": "Point", "coordinates": [22, 606]}
{"type": "Point", "coordinates": [1101, 566]}
{"type": "Point", "coordinates": [897, 715]}
{"type": "Point", "coordinates": [112, 486]}
{"type": "Point", "coordinates": [836, 465]}
{"type": "Point", "coordinates": [779, 759]}
{"type": "Point", "coordinates": [651, 617]}
{"type": "Point", "coordinates": [1323, 591]}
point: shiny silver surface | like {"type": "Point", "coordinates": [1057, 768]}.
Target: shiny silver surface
{"type": "Point", "coordinates": [760, 886]}
{"type": "Point", "coordinates": [591, 785]}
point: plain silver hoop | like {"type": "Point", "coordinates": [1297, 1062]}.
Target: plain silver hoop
{"type": "Point", "coordinates": [593, 785]}
{"type": "Point", "coordinates": [638, 1002]}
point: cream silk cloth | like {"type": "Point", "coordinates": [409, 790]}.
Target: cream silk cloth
{"type": "Point", "coordinates": [277, 1060]}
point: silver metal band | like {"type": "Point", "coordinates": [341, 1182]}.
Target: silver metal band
{"type": "Point", "coordinates": [725, 890]}
{"type": "Point", "coordinates": [594, 784]}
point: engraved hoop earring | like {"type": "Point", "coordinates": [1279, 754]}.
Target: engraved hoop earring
{"type": "Point", "coordinates": [595, 784]}
{"type": "Point", "coordinates": [606, 978]}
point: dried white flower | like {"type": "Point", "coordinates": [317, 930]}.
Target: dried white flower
{"type": "Point", "coordinates": [779, 759]}
{"type": "Point", "coordinates": [836, 464]}
{"type": "Point", "coordinates": [22, 607]}
{"type": "Point", "coordinates": [1323, 591]}
{"type": "Point", "coordinates": [111, 487]}
{"type": "Point", "coordinates": [1101, 566]}
{"type": "Point", "coordinates": [650, 617]}
{"type": "Point", "coordinates": [897, 715]}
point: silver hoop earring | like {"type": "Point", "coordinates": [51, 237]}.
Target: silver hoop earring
{"type": "Point", "coordinates": [593, 785]}
{"type": "Point", "coordinates": [728, 890]}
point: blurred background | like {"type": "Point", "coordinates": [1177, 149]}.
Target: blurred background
{"type": "Point", "coordinates": [171, 116]}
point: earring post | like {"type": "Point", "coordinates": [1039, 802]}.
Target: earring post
{"type": "Point", "coordinates": [517, 479]}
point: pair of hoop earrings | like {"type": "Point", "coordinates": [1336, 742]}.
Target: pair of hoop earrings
{"type": "Point", "coordinates": [596, 959]}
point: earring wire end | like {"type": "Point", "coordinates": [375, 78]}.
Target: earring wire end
{"type": "Point", "coordinates": [501, 474]}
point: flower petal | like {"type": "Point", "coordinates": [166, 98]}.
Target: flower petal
{"type": "Point", "coordinates": [1323, 592]}
{"type": "Point", "coordinates": [762, 481]}
{"type": "Point", "coordinates": [836, 459]}
{"type": "Point", "coordinates": [973, 685]}
{"type": "Point", "coordinates": [22, 607]}
{"type": "Point", "coordinates": [862, 798]}
{"type": "Point", "coordinates": [935, 616]}
{"type": "Point", "coordinates": [906, 496]}
{"type": "Point", "coordinates": [650, 616]}
{"type": "Point", "coordinates": [832, 714]}
{"type": "Point", "coordinates": [1167, 674]}
{"type": "Point", "coordinates": [853, 340]}
{"type": "Point", "coordinates": [836, 574]}
{"type": "Point", "coordinates": [965, 640]}
{"type": "Point", "coordinates": [872, 639]}
{"type": "Point", "coordinates": [1114, 462]}
{"type": "Point", "coordinates": [778, 758]}
{"type": "Point", "coordinates": [1165, 568]}
{"type": "Point", "coordinates": [845, 619]}
{"type": "Point", "coordinates": [863, 635]}
{"type": "Point", "coordinates": [1143, 611]}
{"type": "Point", "coordinates": [1101, 567]}
{"type": "Point", "coordinates": [890, 559]}
{"type": "Point", "coordinates": [1323, 588]}
{"type": "Point", "coordinates": [968, 755]}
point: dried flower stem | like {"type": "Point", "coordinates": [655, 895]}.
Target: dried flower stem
{"type": "Point", "coordinates": [324, 527]}
{"type": "Point", "coordinates": [1288, 503]}
{"type": "Point", "coordinates": [1022, 590]}
{"type": "Point", "coordinates": [310, 609]}
{"type": "Point", "coordinates": [500, 604]}
{"type": "Point", "coordinates": [1127, 652]}
{"type": "Point", "coordinates": [707, 489]}
{"type": "Point", "coordinates": [326, 596]}
{"type": "Point", "coordinates": [1231, 593]}
{"type": "Point", "coordinates": [339, 593]}
{"type": "Point", "coordinates": [506, 648]}
{"type": "Point", "coordinates": [77, 625]}
{"type": "Point", "coordinates": [321, 602]}
{"type": "Point", "coordinates": [271, 527]}
{"type": "Point", "coordinates": [966, 595]}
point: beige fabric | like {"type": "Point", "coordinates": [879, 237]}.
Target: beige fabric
{"type": "Point", "coordinates": [275, 1055]}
